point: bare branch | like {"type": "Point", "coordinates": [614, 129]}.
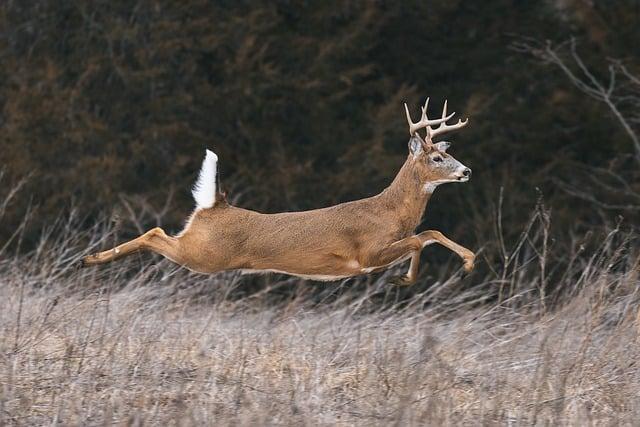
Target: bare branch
{"type": "Point", "coordinates": [631, 77]}
{"type": "Point", "coordinates": [589, 84]}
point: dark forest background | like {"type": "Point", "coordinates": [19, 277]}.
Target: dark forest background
{"type": "Point", "coordinates": [109, 105]}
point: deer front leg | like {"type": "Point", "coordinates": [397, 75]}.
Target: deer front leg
{"type": "Point", "coordinates": [154, 240]}
{"type": "Point", "coordinates": [412, 274]}
{"type": "Point", "coordinates": [414, 245]}
{"type": "Point", "coordinates": [433, 236]}
{"type": "Point", "coordinates": [397, 251]}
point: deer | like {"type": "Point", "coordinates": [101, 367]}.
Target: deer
{"type": "Point", "coordinates": [333, 243]}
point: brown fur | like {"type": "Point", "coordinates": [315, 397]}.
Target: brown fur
{"type": "Point", "coordinates": [334, 242]}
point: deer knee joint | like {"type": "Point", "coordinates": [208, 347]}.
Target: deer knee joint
{"type": "Point", "coordinates": [416, 244]}
{"type": "Point", "coordinates": [156, 234]}
{"type": "Point", "coordinates": [428, 237]}
{"type": "Point", "coordinates": [156, 231]}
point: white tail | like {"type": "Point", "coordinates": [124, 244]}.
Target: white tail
{"type": "Point", "coordinates": [204, 191]}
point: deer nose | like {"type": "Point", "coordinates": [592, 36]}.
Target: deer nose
{"type": "Point", "coordinates": [466, 172]}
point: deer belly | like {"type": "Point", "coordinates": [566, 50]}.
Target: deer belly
{"type": "Point", "coordinates": [318, 277]}
{"type": "Point", "coordinates": [326, 273]}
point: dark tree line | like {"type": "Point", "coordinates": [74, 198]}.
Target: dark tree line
{"type": "Point", "coordinates": [303, 103]}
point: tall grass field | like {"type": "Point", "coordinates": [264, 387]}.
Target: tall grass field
{"type": "Point", "coordinates": [143, 342]}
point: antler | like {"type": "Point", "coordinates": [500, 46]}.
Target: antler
{"type": "Point", "coordinates": [426, 123]}
{"type": "Point", "coordinates": [444, 127]}
{"type": "Point", "coordinates": [424, 120]}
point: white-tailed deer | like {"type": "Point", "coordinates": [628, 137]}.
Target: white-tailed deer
{"type": "Point", "coordinates": [332, 243]}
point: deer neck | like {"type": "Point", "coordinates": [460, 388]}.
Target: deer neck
{"type": "Point", "coordinates": [406, 195]}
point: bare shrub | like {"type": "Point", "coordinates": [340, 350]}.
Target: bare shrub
{"type": "Point", "coordinates": [612, 186]}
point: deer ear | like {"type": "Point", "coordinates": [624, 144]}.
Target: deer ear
{"type": "Point", "coordinates": [443, 146]}
{"type": "Point", "coordinates": [415, 145]}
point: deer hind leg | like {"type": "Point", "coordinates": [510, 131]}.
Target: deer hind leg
{"type": "Point", "coordinates": [155, 240]}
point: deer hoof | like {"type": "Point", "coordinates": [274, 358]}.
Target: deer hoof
{"type": "Point", "coordinates": [468, 264]}
{"type": "Point", "coordinates": [86, 261]}
{"type": "Point", "coordinates": [401, 281]}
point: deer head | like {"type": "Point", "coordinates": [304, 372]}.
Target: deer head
{"type": "Point", "coordinates": [431, 162]}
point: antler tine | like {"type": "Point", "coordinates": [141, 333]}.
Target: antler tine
{"type": "Point", "coordinates": [424, 110]}
{"type": "Point", "coordinates": [411, 126]}
{"type": "Point", "coordinates": [424, 120]}
{"type": "Point", "coordinates": [444, 114]}
{"type": "Point", "coordinates": [444, 127]}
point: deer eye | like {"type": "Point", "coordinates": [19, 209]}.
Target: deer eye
{"type": "Point", "coordinates": [437, 159]}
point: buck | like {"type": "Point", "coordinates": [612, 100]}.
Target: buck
{"type": "Point", "coordinates": [345, 240]}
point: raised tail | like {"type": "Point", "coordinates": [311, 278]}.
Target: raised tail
{"type": "Point", "coordinates": [204, 191]}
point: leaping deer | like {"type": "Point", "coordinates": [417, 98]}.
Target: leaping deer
{"type": "Point", "coordinates": [332, 243]}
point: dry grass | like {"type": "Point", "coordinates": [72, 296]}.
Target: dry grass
{"type": "Point", "coordinates": [139, 342]}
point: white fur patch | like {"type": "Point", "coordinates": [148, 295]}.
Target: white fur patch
{"type": "Point", "coordinates": [318, 277]}
{"type": "Point", "coordinates": [354, 264]}
{"type": "Point", "coordinates": [429, 242]}
{"type": "Point", "coordinates": [430, 187]}
{"type": "Point", "coordinates": [204, 191]}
